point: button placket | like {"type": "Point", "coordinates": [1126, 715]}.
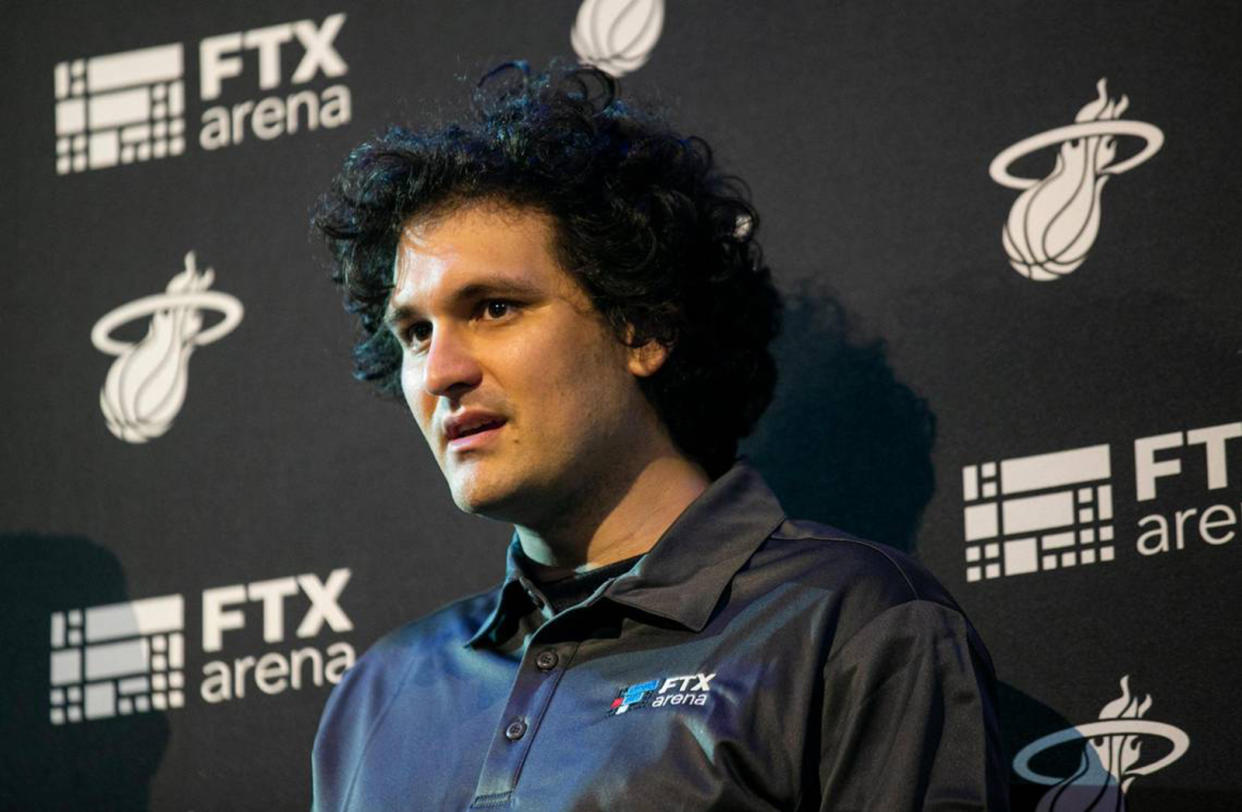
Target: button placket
{"type": "Point", "coordinates": [533, 687]}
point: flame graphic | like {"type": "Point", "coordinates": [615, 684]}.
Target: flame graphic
{"type": "Point", "coordinates": [146, 385]}
{"type": "Point", "coordinates": [1054, 223]}
{"type": "Point", "coordinates": [617, 36]}
{"type": "Point", "coordinates": [1108, 764]}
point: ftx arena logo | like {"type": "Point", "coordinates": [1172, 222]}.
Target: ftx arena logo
{"type": "Point", "coordinates": [689, 689]}
{"type": "Point", "coordinates": [126, 658]}
{"type": "Point", "coordinates": [131, 106]}
{"type": "Point", "coordinates": [1054, 511]}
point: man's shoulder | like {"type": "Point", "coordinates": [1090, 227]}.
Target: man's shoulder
{"type": "Point", "coordinates": [452, 625]}
{"type": "Point", "coordinates": [366, 693]}
{"type": "Point", "coordinates": [862, 586]}
{"type": "Point", "coordinates": [370, 683]}
{"type": "Point", "coordinates": [852, 568]}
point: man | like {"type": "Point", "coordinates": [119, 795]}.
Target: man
{"type": "Point", "coordinates": [571, 300]}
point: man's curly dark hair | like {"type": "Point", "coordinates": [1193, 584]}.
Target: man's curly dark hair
{"type": "Point", "coordinates": [660, 239]}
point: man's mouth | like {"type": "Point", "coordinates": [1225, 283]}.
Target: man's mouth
{"type": "Point", "coordinates": [458, 430]}
{"type": "Point", "coordinates": [466, 431]}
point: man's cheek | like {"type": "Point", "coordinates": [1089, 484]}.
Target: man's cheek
{"type": "Point", "coordinates": [409, 390]}
{"type": "Point", "coordinates": [424, 415]}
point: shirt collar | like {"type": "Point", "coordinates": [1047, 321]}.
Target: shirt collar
{"type": "Point", "coordinates": [682, 577]}
{"type": "Point", "coordinates": [516, 596]}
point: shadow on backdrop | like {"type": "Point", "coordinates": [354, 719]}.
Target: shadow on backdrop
{"type": "Point", "coordinates": [97, 764]}
{"type": "Point", "coordinates": [844, 442]}
{"type": "Point", "coordinates": [1024, 719]}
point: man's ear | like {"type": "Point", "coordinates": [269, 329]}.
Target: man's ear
{"type": "Point", "coordinates": [646, 360]}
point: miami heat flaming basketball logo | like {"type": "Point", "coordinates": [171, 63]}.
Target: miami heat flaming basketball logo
{"type": "Point", "coordinates": [1112, 756]}
{"type": "Point", "coordinates": [617, 36]}
{"type": "Point", "coordinates": [146, 385]}
{"type": "Point", "coordinates": [1054, 222]}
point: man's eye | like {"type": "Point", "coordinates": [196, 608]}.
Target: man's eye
{"type": "Point", "coordinates": [418, 332]}
{"type": "Point", "coordinates": [497, 308]}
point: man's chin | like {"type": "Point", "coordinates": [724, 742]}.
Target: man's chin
{"type": "Point", "coordinates": [488, 499]}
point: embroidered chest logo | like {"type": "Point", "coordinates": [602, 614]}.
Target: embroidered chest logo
{"type": "Point", "coordinates": [691, 689]}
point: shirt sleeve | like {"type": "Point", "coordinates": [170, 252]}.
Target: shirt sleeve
{"type": "Point", "coordinates": [909, 719]}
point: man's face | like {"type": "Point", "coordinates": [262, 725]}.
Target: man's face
{"type": "Point", "coordinates": [525, 396]}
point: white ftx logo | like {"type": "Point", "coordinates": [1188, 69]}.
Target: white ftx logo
{"type": "Point", "coordinates": [125, 658]}
{"type": "Point", "coordinates": [131, 106]}
{"type": "Point", "coordinates": [118, 659]}
{"type": "Point", "coordinates": [1038, 513]}
{"type": "Point", "coordinates": [120, 108]}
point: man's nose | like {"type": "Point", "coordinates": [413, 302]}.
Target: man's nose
{"type": "Point", "coordinates": [450, 368]}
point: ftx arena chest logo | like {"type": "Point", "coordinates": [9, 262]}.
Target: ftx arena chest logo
{"type": "Point", "coordinates": [1059, 510]}
{"type": "Point", "coordinates": [131, 106]}
{"type": "Point", "coordinates": [689, 689]}
{"type": "Point", "coordinates": [133, 657]}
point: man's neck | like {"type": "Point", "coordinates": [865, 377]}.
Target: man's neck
{"type": "Point", "coordinates": [643, 509]}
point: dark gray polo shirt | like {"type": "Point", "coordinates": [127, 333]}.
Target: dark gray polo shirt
{"type": "Point", "coordinates": [745, 662]}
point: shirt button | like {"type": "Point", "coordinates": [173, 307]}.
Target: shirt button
{"type": "Point", "coordinates": [547, 660]}
{"type": "Point", "coordinates": [515, 730]}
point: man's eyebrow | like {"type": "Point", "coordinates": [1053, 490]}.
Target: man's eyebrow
{"type": "Point", "coordinates": [503, 286]}
{"type": "Point", "coordinates": [398, 315]}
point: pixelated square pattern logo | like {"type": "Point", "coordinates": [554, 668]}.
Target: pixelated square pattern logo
{"type": "Point", "coordinates": [120, 108]}
{"type": "Point", "coordinates": [1038, 513]}
{"type": "Point", "coordinates": [632, 697]}
{"type": "Point", "coordinates": [118, 659]}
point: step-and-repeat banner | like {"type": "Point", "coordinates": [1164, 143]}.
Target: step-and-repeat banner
{"type": "Point", "coordinates": [1009, 238]}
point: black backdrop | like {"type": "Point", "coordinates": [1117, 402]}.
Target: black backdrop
{"type": "Point", "coordinates": [914, 357]}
